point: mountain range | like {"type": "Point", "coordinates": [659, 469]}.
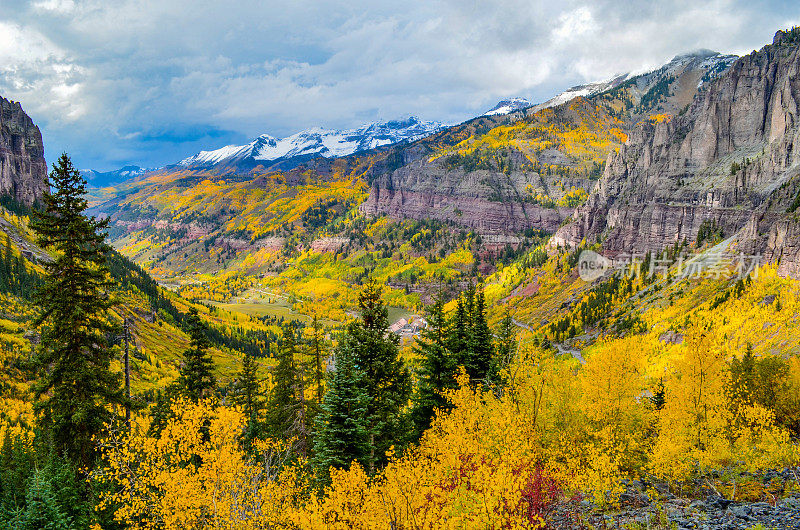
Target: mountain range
{"type": "Point", "coordinates": [285, 153]}
{"type": "Point", "coordinates": [102, 179]}
{"type": "Point", "coordinates": [268, 152]}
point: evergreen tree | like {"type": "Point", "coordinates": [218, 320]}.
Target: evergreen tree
{"type": "Point", "coordinates": [437, 369]}
{"type": "Point", "coordinates": [342, 426]}
{"type": "Point", "coordinates": [317, 350]}
{"type": "Point", "coordinates": [659, 398]}
{"type": "Point", "coordinates": [387, 381]}
{"type": "Point", "coordinates": [246, 395]}
{"type": "Point", "coordinates": [195, 379]}
{"type": "Point", "coordinates": [506, 340]}
{"type": "Point", "coordinates": [75, 385]}
{"type": "Point", "coordinates": [16, 467]}
{"type": "Point", "coordinates": [283, 408]}
{"type": "Point", "coordinates": [246, 388]}
{"type": "Point", "coordinates": [480, 360]}
{"type": "Point", "coordinates": [301, 426]}
{"type": "Point", "coordinates": [457, 331]}
{"type": "Point", "coordinates": [161, 411]}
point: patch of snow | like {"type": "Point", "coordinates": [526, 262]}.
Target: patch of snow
{"type": "Point", "coordinates": [508, 106]}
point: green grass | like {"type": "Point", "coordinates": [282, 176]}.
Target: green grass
{"type": "Point", "coordinates": [261, 309]}
{"type": "Point", "coordinates": [396, 313]}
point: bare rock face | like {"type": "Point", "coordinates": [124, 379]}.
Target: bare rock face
{"type": "Point", "coordinates": [23, 171]}
{"type": "Point", "coordinates": [329, 244]}
{"type": "Point", "coordinates": [475, 199]}
{"type": "Point", "coordinates": [731, 157]}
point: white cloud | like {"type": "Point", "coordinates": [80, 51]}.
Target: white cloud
{"type": "Point", "coordinates": [57, 6]}
{"type": "Point", "coordinates": [39, 73]}
{"type": "Point", "coordinates": [150, 81]}
{"type": "Point", "coordinates": [24, 45]}
{"type": "Point", "coordinates": [574, 24]}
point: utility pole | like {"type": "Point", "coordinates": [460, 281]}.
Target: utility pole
{"type": "Point", "coordinates": [126, 328]}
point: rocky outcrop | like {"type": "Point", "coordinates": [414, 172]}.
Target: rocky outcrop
{"type": "Point", "coordinates": [23, 171]}
{"type": "Point", "coordinates": [329, 244]}
{"type": "Point", "coordinates": [730, 158]}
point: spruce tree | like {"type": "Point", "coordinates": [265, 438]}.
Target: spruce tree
{"type": "Point", "coordinates": [161, 411]}
{"type": "Point", "coordinates": [75, 386]}
{"type": "Point", "coordinates": [317, 350]}
{"type": "Point", "coordinates": [659, 397]}
{"type": "Point", "coordinates": [506, 340]}
{"type": "Point", "coordinates": [457, 331]}
{"type": "Point", "coordinates": [480, 360]}
{"type": "Point", "coordinates": [342, 426]}
{"type": "Point", "coordinates": [283, 407]}
{"type": "Point", "coordinates": [301, 424]}
{"type": "Point", "coordinates": [437, 369]}
{"type": "Point", "coordinates": [388, 383]}
{"type": "Point", "coordinates": [246, 395]}
{"type": "Point", "coordinates": [195, 379]}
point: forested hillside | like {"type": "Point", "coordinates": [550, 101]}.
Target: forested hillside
{"type": "Point", "coordinates": [577, 315]}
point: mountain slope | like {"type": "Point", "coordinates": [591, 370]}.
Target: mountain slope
{"type": "Point", "coordinates": [512, 177]}
{"type": "Point", "coordinates": [666, 89]}
{"type": "Point", "coordinates": [509, 171]}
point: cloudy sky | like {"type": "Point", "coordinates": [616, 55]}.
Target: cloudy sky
{"type": "Point", "coordinates": [150, 82]}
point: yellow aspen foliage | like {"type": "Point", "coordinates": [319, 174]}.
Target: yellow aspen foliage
{"type": "Point", "coordinates": [196, 475]}
{"type": "Point", "coordinates": [500, 458]}
{"type": "Point", "coordinates": [698, 430]}
{"type": "Point", "coordinates": [615, 403]}
{"type": "Point", "coordinates": [473, 469]}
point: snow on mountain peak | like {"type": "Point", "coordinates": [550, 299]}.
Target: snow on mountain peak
{"type": "Point", "coordinates": [508, 106]}
{"type": "Point", "coordinates": [318, 141]}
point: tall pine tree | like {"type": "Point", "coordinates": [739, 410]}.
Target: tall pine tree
{"type": "Point", "coordinates": [195, 379]}
{"type": "Point", "coordinates": [388, 383]}
{"type": "Point", "coordinates": [342, 426]}
{"type": "Point", "coordinates": [458, 330]}
{"type": "Point", "coordinates": [318, 352]}
{"type": "Point", "coordinates": [76, 385]}
{"type": "Point", "coordinates": [246, 394]}
{"type": "Point", "coordinates": [437, 368]}
{"type": "Point", "coordinates": [284, 407]}
{"type": "Point", "coordinates": [505, 343]}
{"type": "Point", "coordinates": [480, 362]}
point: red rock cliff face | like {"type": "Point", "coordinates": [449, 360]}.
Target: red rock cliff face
{"type": "Point", "coordinates": [23, 171]}
{"type": "Point", "coordinates": [731, 156]}
{"type": "Point", "coordinates": [423, 190]}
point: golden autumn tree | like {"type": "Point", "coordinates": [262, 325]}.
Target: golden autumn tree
{"type": "Point", "coordinates": [183, 478]}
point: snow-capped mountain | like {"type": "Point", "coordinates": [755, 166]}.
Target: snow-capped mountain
{"type": "Point", "coordinates": [314, 142]}
{"type": "Point", "coordinates": [101, 179]}
{"type": "Point", "coordinates": [586, 90]}
{"type": "Point", "coordinates": [507, 106]}
{"type": "Point", "coordinates": [705, 64]}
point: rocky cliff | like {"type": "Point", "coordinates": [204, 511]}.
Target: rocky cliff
{"type": "Point", "coordinates": [522, 165]}
{"type": "Point", "coordinates": [484, 200]}
{"type": "Point", "coordinates": [23, 170]}
{"type": "Point", "coordinates": [730, 158]}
